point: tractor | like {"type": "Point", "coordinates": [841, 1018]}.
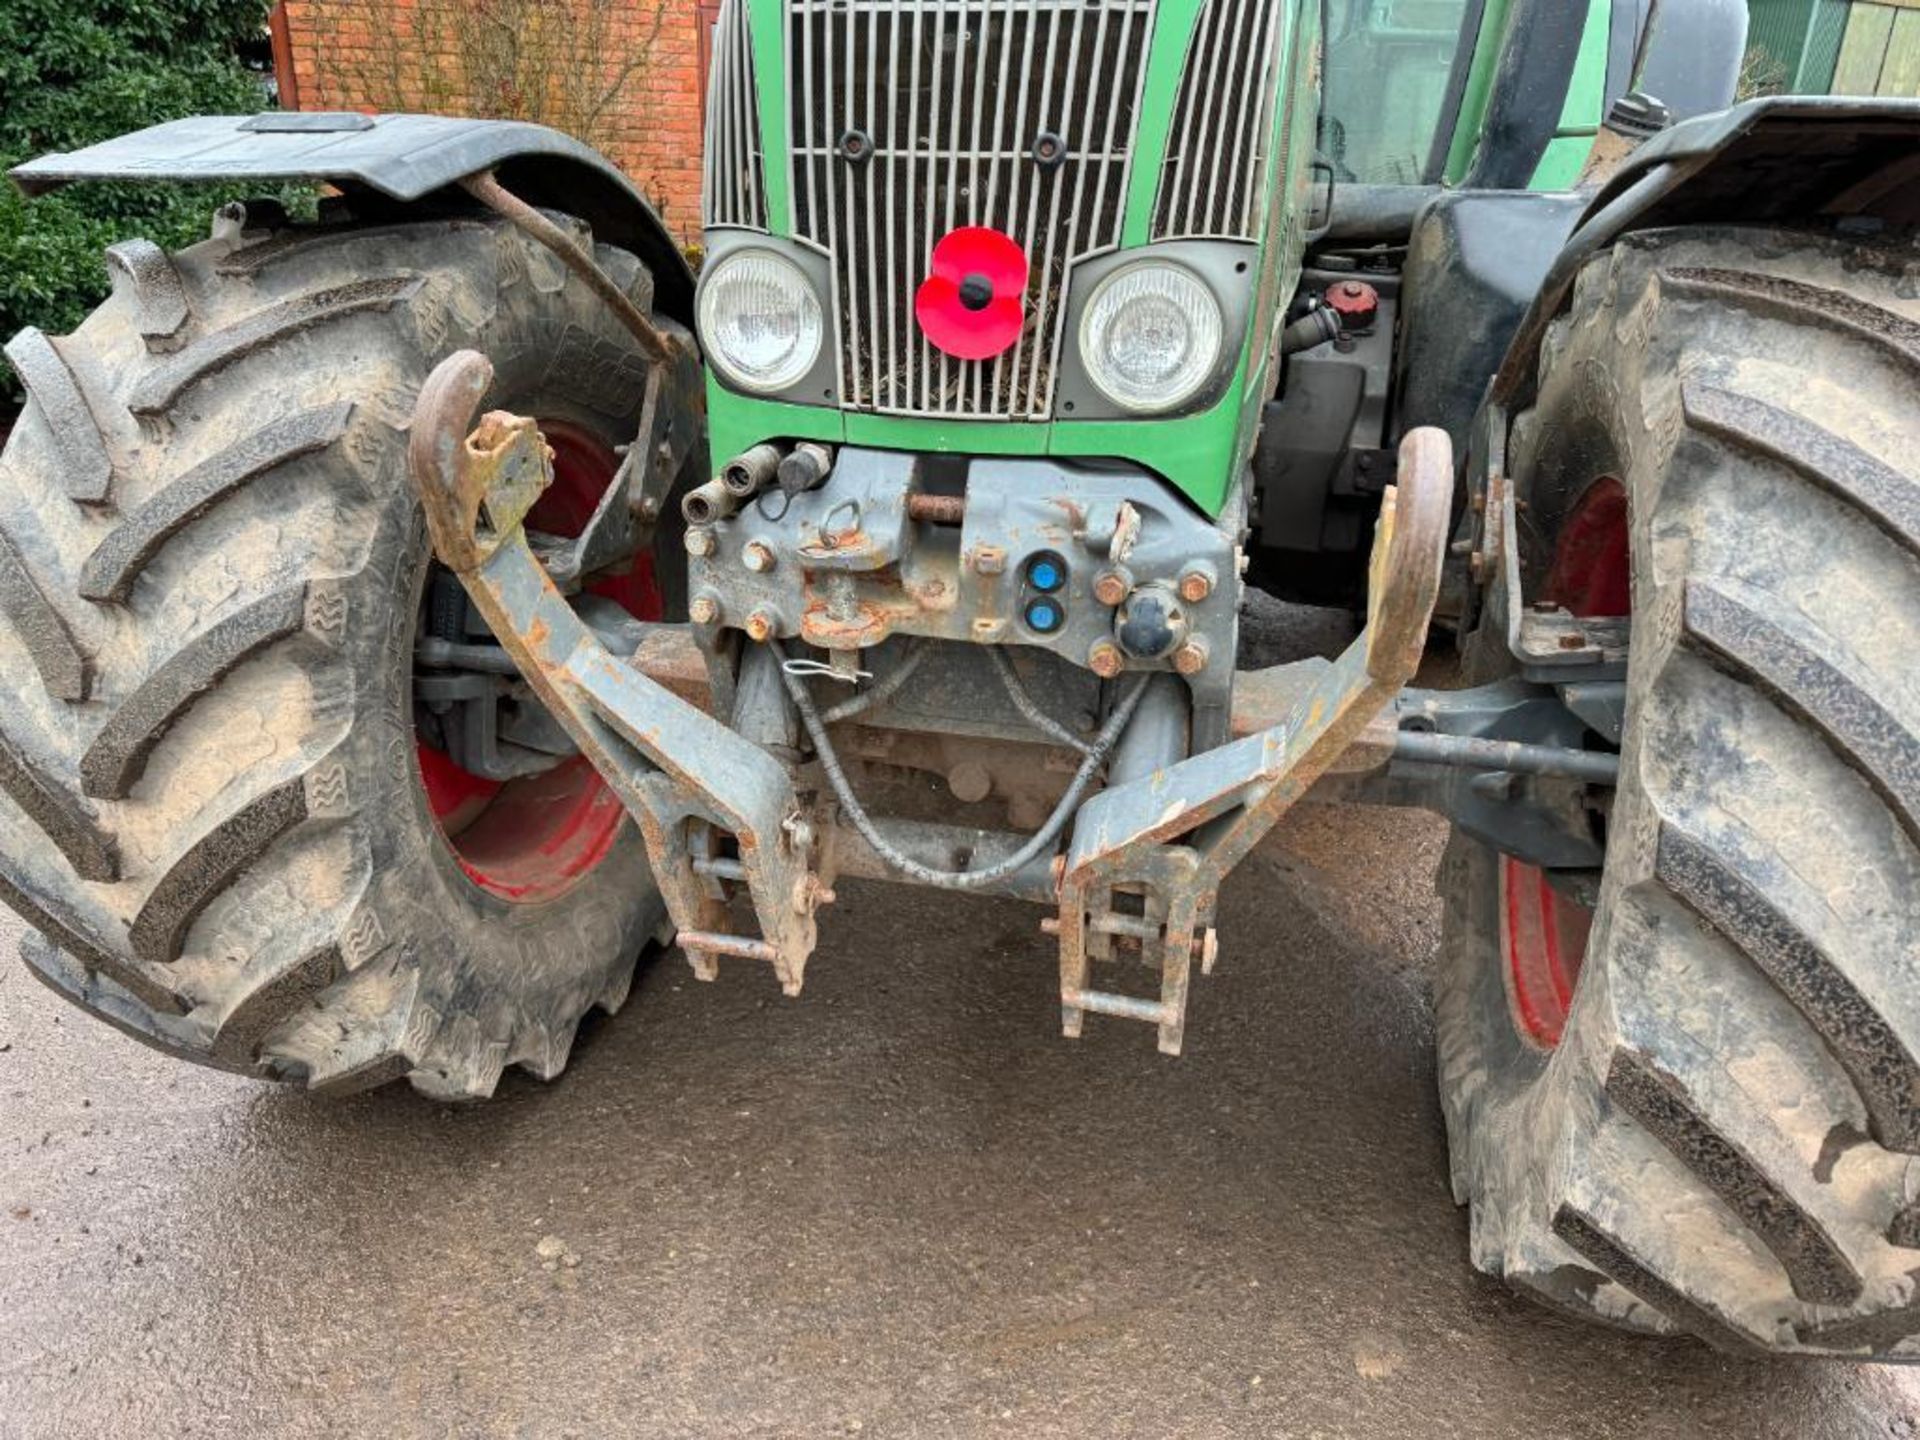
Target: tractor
{"type": "Point", "coordinates": [419, 611]}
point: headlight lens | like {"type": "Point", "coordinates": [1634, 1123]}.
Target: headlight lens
{"type": "Point", "coordinates": [1150, 336]}
{"type": "Point", "coordinates": [760, 320]}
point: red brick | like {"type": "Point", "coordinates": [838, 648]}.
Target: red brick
{"type": "Point", "coordinates": [401, 53]}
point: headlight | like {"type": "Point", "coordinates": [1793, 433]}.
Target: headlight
{"type": "Point", "coordinates": [1150, 336]}
{"type": "Point", "coordinates": [760, 320]}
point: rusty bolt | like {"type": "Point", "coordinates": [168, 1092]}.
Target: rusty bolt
{"type": "Point", "coordinates": [1206, 946]}
{"type": "Point", "coordinates": [989, 560]}
{"type": "Point", "coordinates": [1196, 583]}
{"type": "Point", "coordinates": [970, 781]}
{"type": "Point", "coordinates": [1573, 641]}
{"type": "Point", "coordinates": [760, 625]}
{"type": "Point", "coordinates": [1110, 586]}
{"type": "Point", "coordinates": [1050, 925]}
{"type": "Point", "coordinates": [704, 610]}
{"type": "Point", "coordinates": [1191, 658]}
{"type": "Point", "coordinates": [700, 542]}
{"type": "Point", "coordinates": [757, 557]}
{"type": "Point", "coordinates": [1105, 659]}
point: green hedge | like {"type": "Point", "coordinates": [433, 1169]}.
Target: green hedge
{"type": "Point", "coordinates": [73, 72]}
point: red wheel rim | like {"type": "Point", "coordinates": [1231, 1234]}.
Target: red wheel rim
{"type": "Point", "coordinates": [533, 839]}
{"type": "Point", "coordinates": [1543, 933]}
{"type": "Point", "coordinates": [1545, 937]}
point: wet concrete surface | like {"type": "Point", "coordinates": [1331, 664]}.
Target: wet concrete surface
{"type": "Point", "coordinates": [899, 1206]}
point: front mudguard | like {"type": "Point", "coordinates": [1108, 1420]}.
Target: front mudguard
{"type": "Point", "coordinates": [1488, 270]}
{"type": "Point", "coordinates": [401, 158]}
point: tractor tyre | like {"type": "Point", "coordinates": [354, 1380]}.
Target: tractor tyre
{"type": "Point", "coordinates": [1695, 1107]}
{"type": "Point", "coordinates": [215, 801]}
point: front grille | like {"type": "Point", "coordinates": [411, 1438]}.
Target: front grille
{"type": "Point", "coordinates": [951, 95]}
{"type": "Point", "coordinates": [1217, 144]}
{"type": "Point", "coordinates": [731, 190]}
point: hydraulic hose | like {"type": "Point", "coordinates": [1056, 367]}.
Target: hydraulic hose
{"type": "Point", "coordinates": [1045, 836]}
{"type": "Point", "coordinates": [882, 689]}
{"type": "Point", "coordinates": [1030, 709]}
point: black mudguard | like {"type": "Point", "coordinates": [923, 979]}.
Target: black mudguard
{"type": "Point", "coordinates": [402, 158]}
{"type": "Point", "coordinates": [1486, 271]}
{"type": "Point", "coordinates": [1474, 264]}
{"type": "Point", "coordinates": [1832, 161]}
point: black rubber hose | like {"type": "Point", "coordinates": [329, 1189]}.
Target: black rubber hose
{"type": "Point", "coordinates": [1030, 708]}
{"type": "Point", "coordinates": [883, 689]}
{"type": "Point", "coordinates": [1045, 836]}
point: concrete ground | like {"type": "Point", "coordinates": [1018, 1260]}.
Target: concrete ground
{"type": "Point", "coordinates": [899, 1206]}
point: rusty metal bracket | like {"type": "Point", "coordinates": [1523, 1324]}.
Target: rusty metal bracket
{"type": "Point", "coordinates": [690, 782]}
{"type": "Point", "coordinates": [1172, 836]}
{"type": "Point", "coordinates": [522, 216]}
{"type": "Point", "coordinates": [1550, 642]}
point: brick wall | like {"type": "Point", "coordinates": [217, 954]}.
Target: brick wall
{"type": "Point", "coordinates": [644, 58]}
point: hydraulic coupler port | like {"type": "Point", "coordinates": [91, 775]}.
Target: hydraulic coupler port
{"type": "Point", "coordinates": [1152, 622]}
{"type": "Point", "coordinates": [746, 475]}
{"type": "Point", "coordinates": [707, 503]}
{"type": "Point", "coordinates": [806, 468]}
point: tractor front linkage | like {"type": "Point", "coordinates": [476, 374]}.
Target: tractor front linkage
{"type": "Point", "coordinates": [1144, 858]}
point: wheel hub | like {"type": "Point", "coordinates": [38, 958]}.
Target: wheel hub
{"type": "Point", "coordinates": [532, 838]}
{"type": "Point", "coordinates": [1543, 932]}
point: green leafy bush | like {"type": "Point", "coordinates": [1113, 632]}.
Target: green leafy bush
{"type": "Point", "coordinates": [73, 72]}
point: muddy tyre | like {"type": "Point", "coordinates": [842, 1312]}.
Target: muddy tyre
{"type": "Point", "coordinates": [212, 806]}
{"type": "Point", "coordinates": [1708, 1124]}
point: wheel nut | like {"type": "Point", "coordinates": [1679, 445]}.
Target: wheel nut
{"type": "Point", "coordinates": [1105, 659]}
{"type": "Point", "coordinates": [704, 610]}
{"type": "Point", "coordinates": [1110, 586]}
{"type": "Point", "coordinates": [1191, 658]}
{"type": "Point", "coordinates": [757, 557]}
{"type": "Point", "coordinates": [760, 625]}
{"type": "Point", "coordinates": [1196, 583]}
{"type": "Point", "coordinates": [699, 542]}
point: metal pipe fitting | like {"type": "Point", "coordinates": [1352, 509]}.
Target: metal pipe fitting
{"type": "Point", "coordinates": [707, 503]}
{"type": "Point", "coordinates": [1316, 327]}
{"type": "Point", "coordinates": [1470, 752]}
{"type": "Point", "coordinates": [937, 509]}
{"type": "Point", "coordinates": [751, 471]}
{"type": "Point", "coordinates": [805, 467]}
